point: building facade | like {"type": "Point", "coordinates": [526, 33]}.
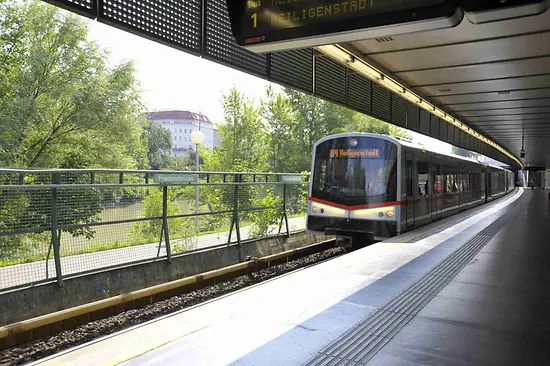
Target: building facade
{"type": "Point", "coordinates": [181, 124]}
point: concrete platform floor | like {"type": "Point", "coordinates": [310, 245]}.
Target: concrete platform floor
{"type": "Point", "coordinates": [473, 293]}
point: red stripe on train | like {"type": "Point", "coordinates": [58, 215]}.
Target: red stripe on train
{"type": "Point", "coordinates": [358, 207]}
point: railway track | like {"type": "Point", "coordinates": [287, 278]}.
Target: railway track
{"type": "Point", "coordinates": [40, 337]}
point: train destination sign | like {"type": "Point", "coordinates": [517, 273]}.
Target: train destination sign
{"type": "Point", "coordinates": [271, 25]}
{"type": "Point", "coordinates": [355, 153]}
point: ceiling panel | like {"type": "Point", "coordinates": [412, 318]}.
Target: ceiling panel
{"type": "Point", "coordinates": [486, 51]}
{"type": "Point", "coordinates": [515, 83]}
{"type": "Point", "coordinates": [505, 69]}
{"type": "Point", "coordinates": [492, 96]}
{"type": "Point", "coordinates": [494, 77]}
{"type": "Point", "coordinates": [508, 124]}
{"type": "Point", "coordinates": [511, 113]}
{"type": "Point", "coordinates": [464, 32]}
{"type": "Point", "coordinates": [500, 105]}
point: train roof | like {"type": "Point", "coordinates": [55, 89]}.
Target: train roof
{"type": "Point", "coordinates": [408, 143]}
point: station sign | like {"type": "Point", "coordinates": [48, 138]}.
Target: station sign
{"type": "Point", "coordinates": [292, 179]}
{"type": "Point", "coordinates": [175, 178]}
{"type": "Point", "coordinates": [275, 25]}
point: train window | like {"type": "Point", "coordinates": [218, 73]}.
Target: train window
{"type": "Point", "coordinates": [422, 170]}
{"type": "Point", "coordinates": [450, 179]}
{"type": "Point", "coordinates": [436, 179]}
{"type": "Point", "coordinates": [355, 171]}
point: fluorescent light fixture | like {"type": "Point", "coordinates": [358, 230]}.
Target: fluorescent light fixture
{"type": "Point", "coordinates": [336, 53]}
{"type": "Point", "coordinates": [393, 85]}
{"type": "Point", "coordinates": [440, 113]}
{"type": "Point", "coordinates": [412, 97]}
{"type": "Point", "coordinates": [365, 69]}
{"type": "Point", "coordinates": [427, 106]}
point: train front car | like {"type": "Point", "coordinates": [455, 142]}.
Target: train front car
{"type": "Point", "coordinates": [353, 190]}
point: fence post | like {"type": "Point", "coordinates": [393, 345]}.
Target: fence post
{"type": "Point", "coordinates": [285, 216]}
{"type": "Point", "coordinates": [236, 214]}
{"type": "Point", "coordinates": [165, 222]}
{"type": "Point", "coordinates": [56, 179]}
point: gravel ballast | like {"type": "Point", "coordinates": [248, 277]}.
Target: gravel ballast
{"type": "Point", "coordinates": [47, 346]}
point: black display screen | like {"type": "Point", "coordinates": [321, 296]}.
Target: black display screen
{"type": "Point", "coordinates": [259, 21]}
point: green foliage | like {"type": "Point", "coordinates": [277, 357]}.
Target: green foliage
{"type": "Point", "coordinates": [311, 125]}
{"type": "Point", "coordinates": [281, 124]}
{"type": "Point", "coordinates": [152, 207]}
{"type": "Point", "coordinates": [188, 163]}
{"type": "Point", "coordinates": [263, 221]}
{"type": "Point", "coordinates": [61, 105]}
{"type": "Point", "coordinates": [159, 141]}
{"type": "Point", "coordinates": [181, 230]}
{"type": "Point", "coordinates": [242, 136]}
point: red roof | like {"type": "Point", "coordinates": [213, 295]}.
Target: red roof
{"type": "Point", "coordinates": [176, 115]}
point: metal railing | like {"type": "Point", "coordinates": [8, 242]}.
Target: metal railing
{"type": "Point", "coordinates": [60, 223]}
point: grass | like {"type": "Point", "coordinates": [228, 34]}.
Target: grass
{"type": "Point", "coordinates": [110, 237]}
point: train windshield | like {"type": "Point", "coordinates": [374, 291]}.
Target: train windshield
{"type": "Point", "coordinates": [355, 171]}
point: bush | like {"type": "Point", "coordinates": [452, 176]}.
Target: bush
{"type": "Point", "coordinates": [181, 230]}
{"type": "Point", "coordinates": [269, 216]}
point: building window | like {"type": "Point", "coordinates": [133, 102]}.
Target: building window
{"type": "Point", "coordinates": [185, 130]}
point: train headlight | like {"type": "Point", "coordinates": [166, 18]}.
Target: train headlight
{"type": "Point", "coordinates": [380, 214]}
{"type": "Point", "coordinates": [389, 213]}
{"type": "Point", "coordinates": [315, 209]}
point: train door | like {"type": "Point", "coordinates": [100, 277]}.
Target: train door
{"type": "Point", "coordinates": [436, 189]}
{"type": "Point", "coordinates": [460, 184]}
{"type": "Point", "coordinates": [483, 184]}
{"type": "Point", "coordinates": [409, 178]}
{"type": "Point", "coordinates": [422, 207]}
{"type": "Point", "coordinates": [489, 184]}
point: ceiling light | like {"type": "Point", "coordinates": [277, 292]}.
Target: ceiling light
{"type": "Point", "coordinates": [412, 97]}
{"type": "Point", "coordinates": [440, 113]}
{"type": "Point", "coordinates": [393, 85]}
{"type": "Point", "coordinates": [336, 53]}
{"type": "Point", "coordinates": [364, 69]}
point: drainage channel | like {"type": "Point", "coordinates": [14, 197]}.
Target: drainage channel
{"type": "Point", "coordinates": [358, 345]}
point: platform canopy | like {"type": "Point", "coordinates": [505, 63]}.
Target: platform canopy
{"type": "Point", "coordinates": [475, 74]}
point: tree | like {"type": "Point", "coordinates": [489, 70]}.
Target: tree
{"type": "Point", "coordinates": [309, 114]}
{"type": "Point", "coordinates": [280, 121]}
{"type": "Point", "coordinates": [191, 158]}
{"type": "Point", "coordinates": [337, 118]}
{"type": "Point", "coordinates": [242, 136]}
{"type": "Point", "coordinates": [159, 141]}
{"type": "Point", "coordinates": [61, 104]}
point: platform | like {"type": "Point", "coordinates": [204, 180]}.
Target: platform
{"type": "Point", "coordinates": [470, 289]}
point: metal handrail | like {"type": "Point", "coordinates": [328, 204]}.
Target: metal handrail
{"type": "Point", "coordinates": [50, 171]}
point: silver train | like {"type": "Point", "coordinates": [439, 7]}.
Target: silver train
{"type": "Point", "coordinates": [367, 187]}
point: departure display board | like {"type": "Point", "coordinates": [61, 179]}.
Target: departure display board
{"type": "Point", "coordinates": [264, 21]}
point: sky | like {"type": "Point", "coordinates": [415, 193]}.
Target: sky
{"type": "Point", "coordinates": [172, 79]}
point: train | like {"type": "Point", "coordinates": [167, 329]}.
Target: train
{"type": "Point", "coordinates": [367, 187]}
